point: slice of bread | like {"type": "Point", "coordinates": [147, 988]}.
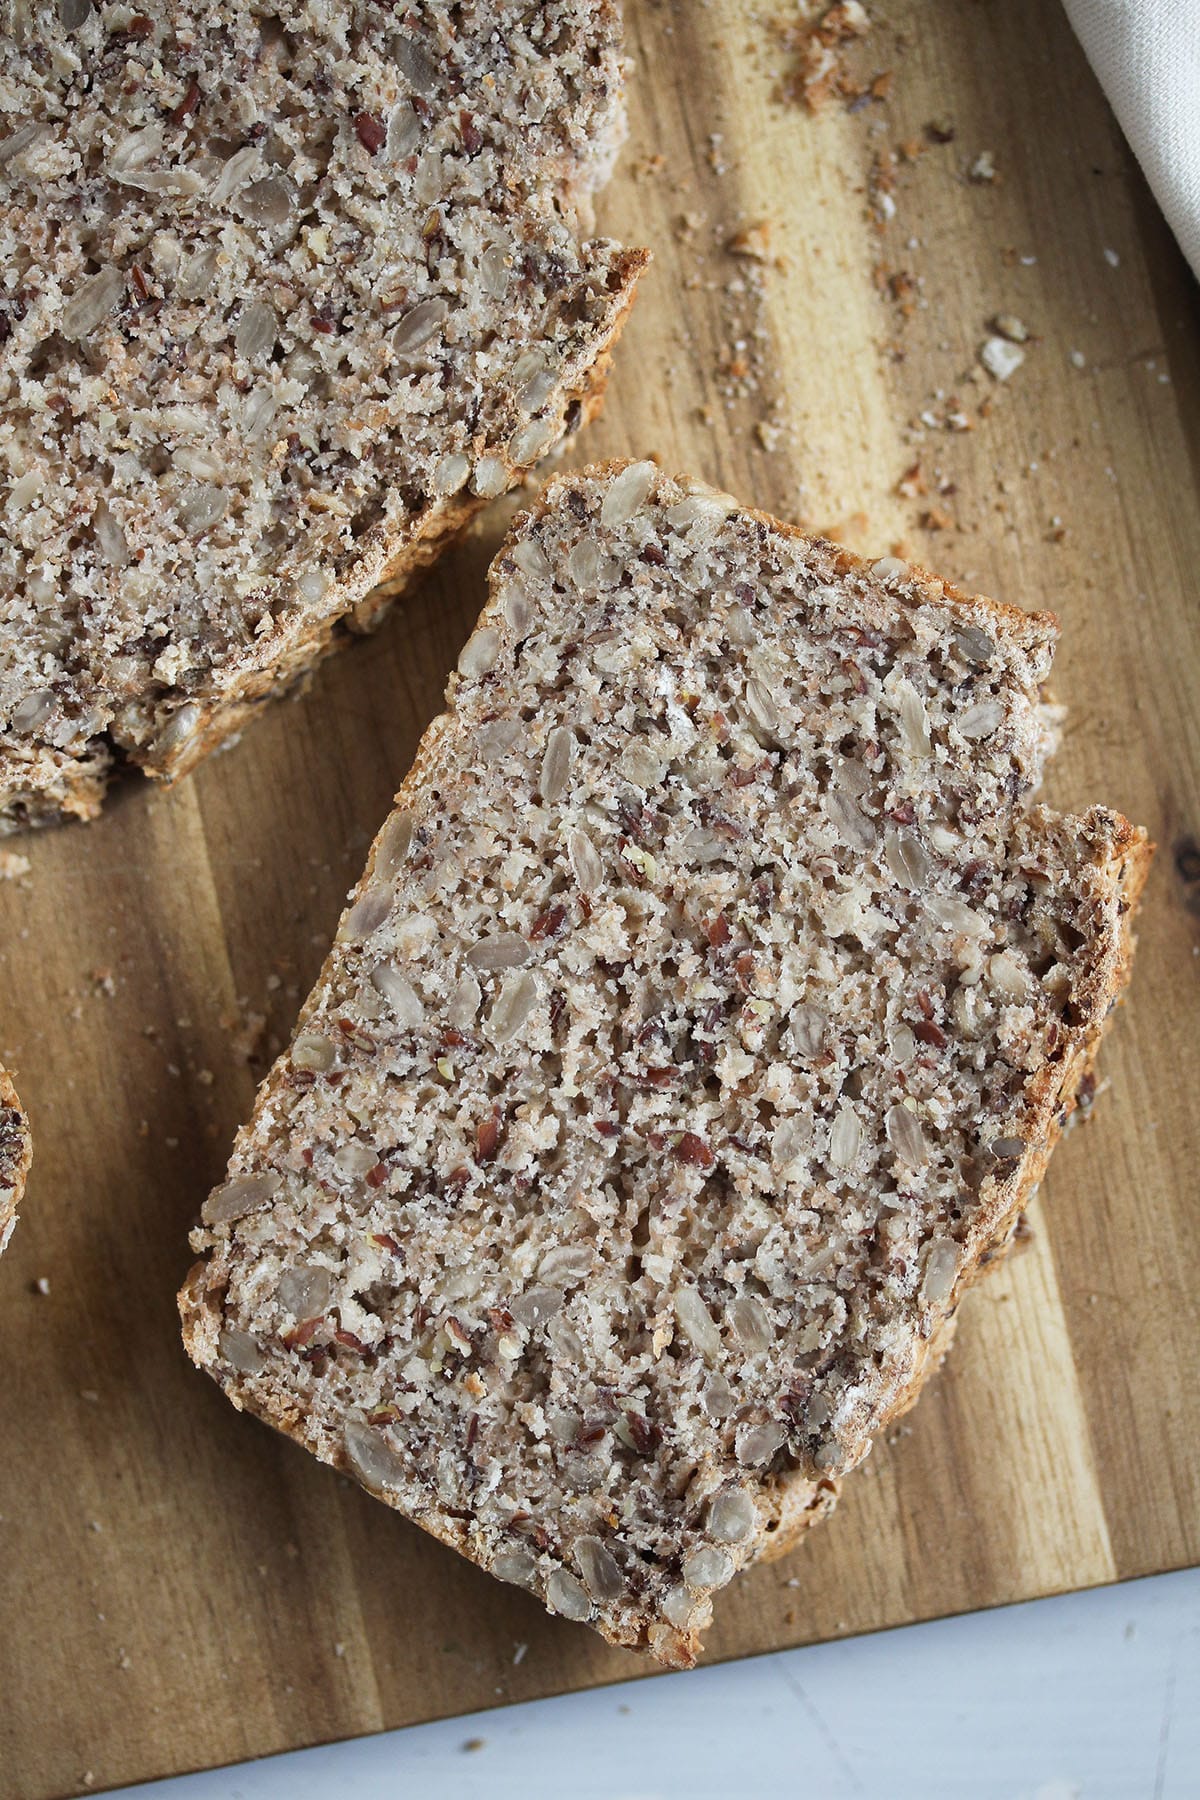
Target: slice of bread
{"type": "Point", "coordinates": [16, 1154]}
{"type": "Point", "coordinates": [707, 1013]}
{"type": "Point", "coordinates": [285, 298]}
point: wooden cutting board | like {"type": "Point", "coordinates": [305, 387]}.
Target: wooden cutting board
{"type": "Point", "coordinates": [179, 1588]}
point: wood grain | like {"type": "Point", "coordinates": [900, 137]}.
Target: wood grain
{"type": "Point", "coordinates": [178, 1588]}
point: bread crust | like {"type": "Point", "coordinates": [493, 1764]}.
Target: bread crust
{"type": "Point", "coordinates": [791, 1502]}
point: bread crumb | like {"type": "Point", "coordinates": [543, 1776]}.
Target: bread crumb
{"type": "Point", "coordinates": [819, 72]}
{"type": "Point", "coordinates": [752, 240]}
{"type": "Point", "coordinates": [519, 1654]}
{"type": "Point", "coordinates": [912, 483]}
{"type": "Point", "coordinates": [473, 1744]}
{"type": "Point", "coordinates": [1010, 327]}
{"type": "Point", "coordinates": [13, 865]}
{"type": "Point", "coordinates": [983, 168]}
{"type": "Point", "coordinates": [1000, 358]}
{"type": "Point", "coordinates": [42, 1285]}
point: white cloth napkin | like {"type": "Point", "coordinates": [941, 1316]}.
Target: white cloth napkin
{"type": "Point", "coordinates": [1147, 56]}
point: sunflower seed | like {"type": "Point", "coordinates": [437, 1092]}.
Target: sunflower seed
{"type": "Point", "coordinates": [479, 653]}
{"type": "Point", "coordinates": [91, 303]}
{"type": "Point", "coordinates": [372, 1459]}
{"type": "Point", "coordinates": [392, 847]}
{"type": "Point", "coordinates": [627, 493]}
{"type": "Point", "coordinates": [846, 1138]}
{"type": "Point", "coordinates": [764, 714]}
{"type": "Point", "coordinates": [981, 720]}
{"type": "Point", "coordinates": [312, 1051]}
{"type": "Point", "coordinates": [494, 272]}
{"type": "Point", "coordinates": [585, 861]}
{"type": "Point", "coordinates": [941, 1269]}
{"type": "Point", "coordinates": [366, 915]}
{"type": "Point", "coordinates": [914, 721]}
{"type": "Point", "coordinates": [535, 1306]}
{"type": "Point", "coordinates": [600, 1569]}
{"type": "Point", "coordinates": [696, 1323]}
{"type": "Point", "coordinates": [532, 441]}
{"type": "Point", "coordinates": [489, 479]}
{"type": "Point", "coordinates": [516, 1566]}
{"type": "Point", "coordinates": [851, 825]}
{"type": "Point", "coordinates": [732, 1516]}
{"type": "Point", "coordinates": [400, 995]}
{"type": "Point", "coordinates": [751, 1324]}
{"type": "Point", "coordinates": [566, 1595]}
{"type": "Point", "coordinates": [513, 1004]}
{"type": "Point", "coordinates": [465, 1002]}
{"type": "Point", "coordinates": [403, 132]}
{"type": "Point", "coordinates": [238, 1198]}
{"type": "Point", "coordinates": [451, 474]}
{"type": "Point", "coordinates": [202, 508]}
{"type": "Point", "coordinates": [240, 1351]}
{"type": "Point", "coordinates": [271, 201]}
{"type": "Point", "coordinates": [501, 950]}
{"type": "Point", "coordinates": [235, 174]}
{"type": "Point", "coordinates": [418, 325]}
{"type": "Point", "coordinates": [974, 645]}
{"type": "Point", "coordinates": [556, 763]}
{"type": "Point", "coordinates": [33, 710]}
{"type": "Point", "coordinates": [807, 1029]}
{"type": "Point", "coordinates": [757, 1444]}
{"type": "Point", "coordinates": [907, 859]}
{"type": "Point", "coordinates": [679, 1603]}
{"type": "Point", "coordinates": [304, 1293]}
{"type": "Point", "coordinates": [906, 1137]}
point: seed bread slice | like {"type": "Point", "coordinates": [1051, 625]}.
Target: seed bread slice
{"type": "Point", "coordinates": [705, 1016]}
{"type": "Point", "coordinates": [286, 297]}
{"type": "Point", "coordinates": [16, 1154]}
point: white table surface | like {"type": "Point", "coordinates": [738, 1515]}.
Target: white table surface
{"type": "Point", "coordinates": [1089, 1697]}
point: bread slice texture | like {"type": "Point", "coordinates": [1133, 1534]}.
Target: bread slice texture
{"type": "Point", "coordinates": [705, 1016]}
{"type": "Point", "coordinates": [16, 1154]}
{"type": "Point", "coordinates": [285, 299]}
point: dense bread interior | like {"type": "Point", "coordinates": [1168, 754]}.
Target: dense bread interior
{"type": "Point", "coordinates": [703, 1015]}
{"type": "Point", "coordinates": [286, 291]}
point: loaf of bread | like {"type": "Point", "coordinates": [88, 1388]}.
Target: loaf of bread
{"type": "Point", "coordinates": [707, 1012]}
{"type": "Point", "coordinates": [16, 1154]}
{"type": "Point", "coordinates": [286, 296]}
